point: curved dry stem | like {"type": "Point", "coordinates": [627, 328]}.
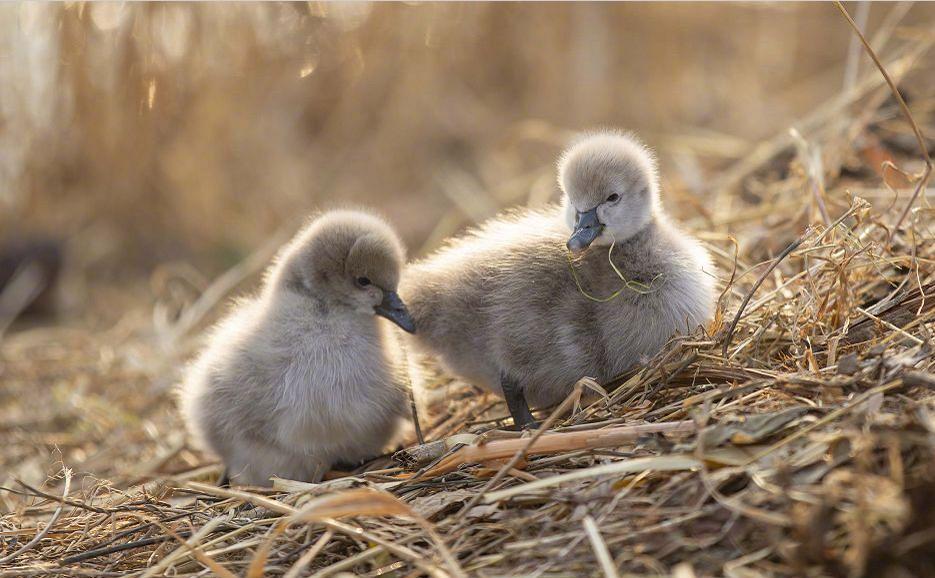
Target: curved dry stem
{"type": "Point", "coordinates": [55, 516]}
{"type": "Point", "coordinates": [927, 171]}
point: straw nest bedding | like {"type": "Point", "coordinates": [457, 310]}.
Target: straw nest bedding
{"type": "Point", "coordinates": [797, 442]}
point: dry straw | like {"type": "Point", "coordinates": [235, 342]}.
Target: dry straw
{"type": "Point", "coordinates": [797, 439]}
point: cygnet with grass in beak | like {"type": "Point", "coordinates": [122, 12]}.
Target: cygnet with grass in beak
{"type": "Point", "coordinates": [306, 374]}
{"type": "Point", "coordinates": [533, 300]}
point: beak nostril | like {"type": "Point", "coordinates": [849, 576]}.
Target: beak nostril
{"type": "Point", "coordinates": [587, 228]}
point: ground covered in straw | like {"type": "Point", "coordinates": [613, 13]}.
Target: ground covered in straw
{"type": "Point", "coordinates": [794, 436]}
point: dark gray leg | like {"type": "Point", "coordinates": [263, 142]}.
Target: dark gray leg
{"type": "Point", "coordinates": [225, 480]}
{"type": "Point", "coordinates": [516, 402]}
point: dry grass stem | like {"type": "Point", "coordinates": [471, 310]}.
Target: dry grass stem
{"type": "Point", "coordinates": [793, 436]}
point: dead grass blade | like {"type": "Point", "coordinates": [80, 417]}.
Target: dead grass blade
{"type": "Point", "coordinates": [600, 548]}
{"type": "Point", "coordinates": [636, 465]}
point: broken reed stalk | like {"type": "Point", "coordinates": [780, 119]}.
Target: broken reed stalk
{"type": "Point", "coordinates": [553, 443]}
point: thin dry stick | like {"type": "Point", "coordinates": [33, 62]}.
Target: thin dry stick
{"type": "Point", "coordinates": [733, 325]}
{"type": "Point", "coordinates": [55, 515]}
{"type": "Point", "coordinates": [307, 558]}
{"type": "Point", "coordinates": [412, 394]}
{"type": "Point", "coordinates": [74, 503]}
{"type": "Point", "coordinates": [348, 562]}
{"type": "Point", "coordinates": [889, 325]}
{"type": "Point", "coordinates": [191, 545]}
{"type": "Point", "coordinates": [733, 273]}
{"type": "Point", "coordinates": [923, 178]}
{"type": "Point", "coordinates": [255, 499]}
{"type": "Point", "coordinates": [415, 416]}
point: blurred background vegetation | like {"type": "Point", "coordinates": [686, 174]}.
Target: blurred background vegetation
{"type": "Point", "coordinates": [155, 154]}
{"type": "Point", "coordinates": [142, 134]}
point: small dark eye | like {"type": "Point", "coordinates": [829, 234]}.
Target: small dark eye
{"type": "Point", "coordinates": [363, 281]}
{"type": "Point", "coordinates": [613, 198]}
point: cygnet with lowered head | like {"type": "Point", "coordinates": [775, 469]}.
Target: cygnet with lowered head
{"type": "Point", "coordinates": [502, 308]}
{"type": "Point", "coordinates": [305, 374]}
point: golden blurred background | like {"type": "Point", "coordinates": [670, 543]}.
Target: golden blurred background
{"type": "Point", "coordinates": [152, 156]}
{"type": "Point", "coordinates": [143, 134]}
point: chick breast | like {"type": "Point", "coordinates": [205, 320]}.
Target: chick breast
{"type": "Point", "coordinates": [275, 395]}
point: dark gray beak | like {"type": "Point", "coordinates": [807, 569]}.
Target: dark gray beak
{"type": "Point", "coordinates": [393, 308]}
{"type": "Point", "coordinates": [587, 228]}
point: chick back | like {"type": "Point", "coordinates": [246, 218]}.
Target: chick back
{"type": "Point", "coordinates": [503, 300]}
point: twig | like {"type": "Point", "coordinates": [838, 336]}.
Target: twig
{"type": "Point", "coordinates": [899, 330]}
{"type": "Point", "coordinates": [412, 394]}
{"type": "Point", "coordinates": [855, 206]}
{"type": "Point", "coordinates": [55, 515]}
{"type": "Point", "coordinates": [733, 325]}
{"type": "Point", "coordinates": [87, 555]}
{"type": "Point", "coordinates": [307, 558]}
{"type": "Point", "coordinates": [74, 503]}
